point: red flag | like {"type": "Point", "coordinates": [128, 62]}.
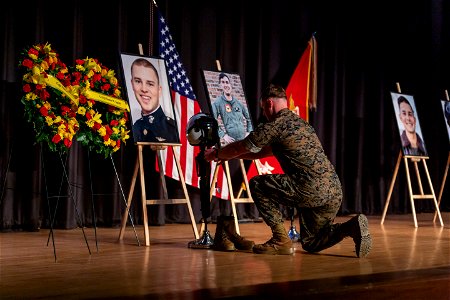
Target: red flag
{"type": "Point", "coordinates": [185, 105]}
{"type": "Point", "coordinates": [301, 91]}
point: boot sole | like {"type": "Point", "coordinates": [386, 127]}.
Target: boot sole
{"type": "Point", "coordinates": [365, 242]}
{"type": "Point", "coordinates": [274, 251]}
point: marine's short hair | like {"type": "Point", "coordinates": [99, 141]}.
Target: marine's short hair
{"type": "Point", "coordinates": [273, 91]}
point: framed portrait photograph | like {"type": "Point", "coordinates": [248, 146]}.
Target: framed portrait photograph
{"type": "Point", "coordinates": [446, 110]}
{"type": "Point", "coordinates": [228, 105]}
{"type": "Point", "coordinates": [408, 123]}
{"type": "Point", "coordinates": [148, 93]}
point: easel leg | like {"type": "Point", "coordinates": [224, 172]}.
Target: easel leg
{"type": "Point", "coordinates": [128, 204]}
{"type": "Point", "coordinates": [441, 191]}
{"type": "Point", "coordinates": [436, 204]}
{"type": "Point", "coordinates": [391, 187]}
{"type": "Point", "coordinates": [186, 195]}
{"type": "Point", "coordinates": [143, 195]}
{"type": "Point", "coordinates": [408, 178]}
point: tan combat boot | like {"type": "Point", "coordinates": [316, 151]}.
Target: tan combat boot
{"type": "Point", "coordinates": [221, 240]}
{"type": "Point", "coordinates": [280, 243]}
{"type": "Point", "coordinates": [230, 229]}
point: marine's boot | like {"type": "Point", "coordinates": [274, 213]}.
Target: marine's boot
{"type": "Point", "coordinates": [280, 243]}
{"type": "Point", "coordinates": [358, 228]}
{"type": "Point", "coordinates": [230, 229]}
{"type": "Point", "coordinates": [221, 240]}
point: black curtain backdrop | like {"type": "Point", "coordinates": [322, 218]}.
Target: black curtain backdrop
{"type": "Point", "coordinates": [364, 49]}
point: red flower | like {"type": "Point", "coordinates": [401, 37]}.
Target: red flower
{"type": "Point", "coordinates": [108, 130]}
{"type": "Point", "coordinates": [97, 126]}
{"type": "Point", "coordinates": [67, 143]}
{"type": "Point", "coordinates": [27, 63]}
{"type": "Point", "coordinates": [33, 51]}
{"type": "Point", "coordinates": [26, 88]}
{"type": "Point", "coordinates": [114, 123]}
{"type": "Point", "coordinates": [64, 110]}
{"type": "Point", "coordinates": [82, 99]}
{"type": "Point", "coordinates": [56, 139]}
{"type": "Point", "coordinates": [60, 76]}
{"type": "Point", "coordinates": [97, 77]}
{"type": "Point", "coordinates": [44, 95]}
{"type": "Point", "coordinates": [106, 87]}
{"type": "Point", "coordinates": [44, 111]}
{"type": "Point", "coordinates": [88, 116]}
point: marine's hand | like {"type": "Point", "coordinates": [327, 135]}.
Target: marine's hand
{"type": "Point", "coordinates": [211, 154]}
{"type": "Point", "coordinates": [228, 139]}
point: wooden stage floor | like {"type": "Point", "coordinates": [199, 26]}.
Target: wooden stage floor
{"type": "Point", "coordinates": [405, 263]}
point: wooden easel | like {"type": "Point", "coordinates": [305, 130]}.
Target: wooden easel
{"type": "Point", "coordinates": [165, 200]}
{"type": "Point", "coordinates": [444, 179]}
{"type": "Point", "coordinates": [422, 195]}
{"type": "Point", "coordinates": [233, 199]}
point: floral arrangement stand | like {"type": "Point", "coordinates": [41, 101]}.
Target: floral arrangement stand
{"type": "Point", "coordinates": [52, 214]}
{"type": "Point", "coordinates": [96, 194]}
{"type": "Point", "coordinates": [414, 159]}
{"type": "Point", "coordinates": [139, 166]}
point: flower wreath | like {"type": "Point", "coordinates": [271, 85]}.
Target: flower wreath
{"type": "Point", "coordinates": [102, 126]}
{"type": "Point", "coordinates": [62, 104]}
{"type": "Point", "coordinates": [48, 99]}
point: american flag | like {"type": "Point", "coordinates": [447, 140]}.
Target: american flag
{"type": "Point", "coordinates": [185, 105]}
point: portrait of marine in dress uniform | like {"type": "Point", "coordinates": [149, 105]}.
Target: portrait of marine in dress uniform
{"type": "Point", "coordinates": [152, 112]}
{"type": "Point", "coordinates": [228, 105]}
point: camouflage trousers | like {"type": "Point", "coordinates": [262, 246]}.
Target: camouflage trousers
{"type": "Point", "coordinates": [317, 207]}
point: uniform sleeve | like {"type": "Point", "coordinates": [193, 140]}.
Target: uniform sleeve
{"type": "Point", "coordinates": [215, 112]}
{"type": "Point", "coordinates": [263, 135]}
{"type": "Point", "coordinates": [247, 118]}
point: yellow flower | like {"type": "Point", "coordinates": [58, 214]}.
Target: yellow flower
{"type": "Point", "coordinates": [110, 74]}
{"type": "Point", "coordinates": [115, 130]}
{"type": "Point", "coordinates": [30, 96]}
{"type": "Point", "coordinates": [102, 131]}
{"type": "Point", "coordinates": [117, 93]}
{"type": "Point", "coordinates": [81, 110]}
{"type": "Point", "coordinates": [32, 56]}
{"type": "Point", "coordinates": [48, 49]}
{"type": "Point", "coordinates": [49, 121]}
{"type": "Point", "coordinates": [47, 105]}
{"type": "Point", "coordinates": [108, 142]}
{"type": "Point", "coordinates": [90, 123]}
{"type": "Point", "coordinates": [80, 68]}
{"type": "Point", "coordinates": [113, 81]}
{"type": "Point", "coordinates": [97, 117]}
{"type": "Point", "coordinates": [124, 134]}
{"type": "Point", "coordinates": [44, 65]}
{"type": "Point", "coordinates": [57, 120]}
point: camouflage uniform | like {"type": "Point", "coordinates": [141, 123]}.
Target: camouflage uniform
{"type": "Point", "coordinates": [156, 127]}
{"type": "Point", "coordinates": [309, 182]}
